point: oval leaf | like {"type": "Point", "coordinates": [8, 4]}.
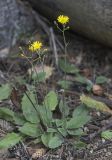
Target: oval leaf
{"type": "Point", "coordinates": [9, 140]}
{"type": "Point", "coordinates": [68, 67]}
{"type": "Point", "coordinates": [29, 111]}
{"type": "Point", "coordinates": [5, 91]}
{"type": "Point", "coordinates": [76, 132]}
{"type": "Point", "coordinates": [31, 130]}
{"type": "Point", "coordinates": [45, 115]}
{"type": "Point", "coordinates": [80, 110]}
{"type": "Point", "coordinates": [46, 138]}
{"type": "Point", "coordinates": [101, 80]}
{"type": "Point", "coordinates": [65, 84]}
{"type": "Point", "coordinates": [107, 134]}
{"type": "Point", "coordinates": [51, 100]}
{"type": "Point", "coordinates": [77, 122]}
{"type": "Point", "coordinates": [64, 109]}
{"type": "Point", "coordinates": [6, 113]}
{"type": "Point", "coordinates": [55, 142]}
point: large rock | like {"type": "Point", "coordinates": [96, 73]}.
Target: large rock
{"type": "Point", "coordinates": [92, 18]}
{"type": "Point", "coordinates": [16, 19]}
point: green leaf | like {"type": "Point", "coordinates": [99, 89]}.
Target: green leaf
{"type": "Point", "coordinates": [51, 100]}
{"type": "Point", "coordinates": [64, 109]}
{"type": "Point", "coordinates": [46, 138]}
{"type": "Point", "coordinates": [77, 122]}
{"type": "Point", "coordinates": [65, 84]}
{"type": "Point", "coordinates": [37, 140]}
{"type": "Point", "coordinates": [19, 119]}
{"type": "Point", "coordinates": [31, 130]}
{"type": "Point", "coordinates": [80, 110]}
{"type": "Point", "coordinates": [55, 142]}
{"type": "Point", "coordinates": [6, 113]}
{"type": "Point", "coordinates": [51, 141]}
{"type": "Point", "coordinates": [51, 130]}
{"type": "Point", "coordinates": [5, 91]}
{"type": "Point", "coordinates": [81, 79]}
{"type": "Point", "coordinates": [107, 134]}
{"type": "Point", "coordinates": [29, 111]}
{"type": "Point", "coordinates": [59, 122]}
{"type": "Point", "coordinates": [19, 79]}
{"type": "Point", "coordinates": [68, 68]}
{"type": "Point", "coordinates": [80, 118]}
{"type": "Point", "coordinates": [45, 115]}
{"type": "Point", "coordinates": [40, 77]}
{"type": "Point", "coordinates": [62, 131]}
{"type": "Point", "coordinates": [9, 140]}
{"type": "Point", "coordinates": [101, 80]}
{"type": "Point", "coordinates": [76, 132]}
{"type": "Point", "coordinates": [80, 145]}
{"type": "Point", "coordinates": [89, 87]}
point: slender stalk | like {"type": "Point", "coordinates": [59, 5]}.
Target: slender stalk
{"type": "Point", "coordinates": [65, 61]}
{"type": "Point", "coordinates": [33, 68]}
{"type": "Point", "coordinates": [42, 64]}
{"type": "Point", "coordinates": [65, 51]}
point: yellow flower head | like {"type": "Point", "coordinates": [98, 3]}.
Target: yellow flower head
{"type": "Point", "coordinates": [63, 19]}
{"type": "Point", "coordinates": [35, 46]}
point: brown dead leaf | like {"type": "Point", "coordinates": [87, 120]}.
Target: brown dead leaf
{"type": "Point", "coordinates": [91, 103]}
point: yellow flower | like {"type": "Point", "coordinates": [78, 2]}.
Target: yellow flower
{"type": "Point", "coordinates": [63, 19]}
{"type": "Point", "coordinates": [35, 46]}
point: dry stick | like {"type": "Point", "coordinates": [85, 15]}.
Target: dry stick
{"type": "Point", "coordinates": [26, 151]}
{"type": "Point", "coordinates": [53, 40]}
{"type": "Point", "coordinates": [41, 22]}
{"type": "Point", "coordinates": [59, 44]}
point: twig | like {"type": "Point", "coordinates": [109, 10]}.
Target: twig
{"type": "Point", "coordinates": [53, 45]}
{"type": "Point", "coordinates": [39, 20]}
{"type": "Point", "coordinates": [59, 43]}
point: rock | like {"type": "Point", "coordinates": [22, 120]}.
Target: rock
{"type": "Point", "coordinates": [16, 19]}
{"type": "Point", "coordinates": [91, 18]}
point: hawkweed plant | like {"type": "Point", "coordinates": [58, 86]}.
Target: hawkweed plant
{"type": "Point", "coordinates": [38, 120]}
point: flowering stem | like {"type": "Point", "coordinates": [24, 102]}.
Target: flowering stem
{"type": "Point", "coordinates": [65, 50]}
{"type": "Point", "coordinates": [42, 64]}
{"type": "Point", "coordinates": [65, 61]}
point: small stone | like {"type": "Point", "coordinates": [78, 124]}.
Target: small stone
{"type": "Point", "coordinates": [97, 90]}
{"type": "Point", "coordinates": [98, 113]}
{"type": "Point", "coordinates": [38, 153]}
{"type": "Point", "coordinates": [91, 151]}
{"type": "Point", "coordinates": [103, 140]}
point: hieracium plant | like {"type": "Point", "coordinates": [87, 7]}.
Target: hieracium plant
{"type": "Point", "coordinates": [37, 119]}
